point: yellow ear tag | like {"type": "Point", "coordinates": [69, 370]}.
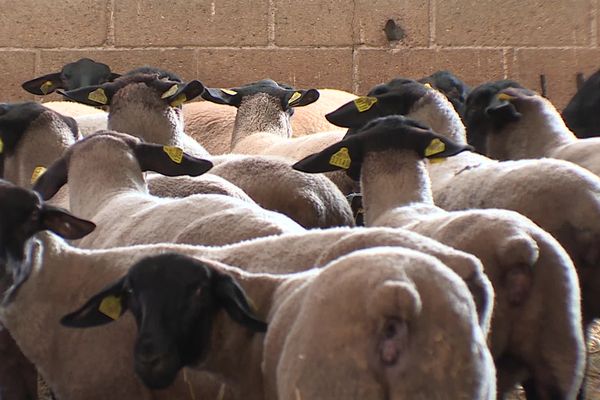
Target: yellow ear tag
{"type": "Point", "coordinates": [341, 158]}
{"type": "Point", "coordinates": [437, 160]}
{"type": "Point", "coordinates": [427, 85]}
{"type": "Point", "coordinates": [46, 86]}
{"type": "Point", "coordinates": [364, 103]}
{"type": "Point", "coordinates": [172, 90]}
{"type": "Point", "coordinates": [98, 96]}
{"type": "Point", "coordinates": [179, 100]}
{"type": "Point", "coordinates": [1, 146]}
{"type": "Point", "coordinates": [111, 307]}
{"type": "Point", "coordinates": [294, 97]}
{"type": "Point", "coordinates": [175, 153]}
{"type": "Point", "coordinates": [37, 172]}
{"type": "Point", "coordinates": [505, 97]}
{"type": "Point", "coordinates": [436, 146]}
{"type": "Point", "coordinates": [229, 92]}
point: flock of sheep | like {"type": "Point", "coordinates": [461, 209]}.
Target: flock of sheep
{"type": "Point", "coordinates": [228, 228]}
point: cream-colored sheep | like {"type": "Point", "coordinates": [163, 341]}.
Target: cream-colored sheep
{"type": "Point", "coordinates": [401, 309]}
{"type": "Point", "coordinates": [529, 270]}
{"type": "Point", "coordinates": [212, 124]}
{"type": "Point", "coordinates": [511, 123]}
{"type": "Point", "coordinates": [139, 109]}
{"type": "Point", "coordinates": [104, 172]}
{"type": "Point", "coordinates": [562, 198]}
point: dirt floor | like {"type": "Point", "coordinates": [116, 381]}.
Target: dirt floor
{"type": "Point", "coordinates": [593, 373]}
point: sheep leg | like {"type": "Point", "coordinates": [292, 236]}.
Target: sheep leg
{"type": "Point", "coordinates": [535, 390]}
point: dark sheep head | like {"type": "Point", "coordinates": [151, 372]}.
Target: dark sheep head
{"type": "Point", "coordinates": [174, 300]}
{"type": "Point", "coordinates": [23, 214]}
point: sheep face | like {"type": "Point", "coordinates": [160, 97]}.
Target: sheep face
{"type": "Point", "coordinates": [488, 112]}
{"type": "Point", "coordinates": [22, 215]}
{"type": "Point", "coordinates": [174, 300]}
{"type": "Point", "coordinates": [581, 114]}
{"type": "Point", "coordinates": [84, 72]}
{"type": "Point", "coordinates": [379, 324]}
{"type": "Point", "coordinates": [451, 86]}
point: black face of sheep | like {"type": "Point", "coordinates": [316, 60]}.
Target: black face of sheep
{"type": "Point", "coordinates": [582, 114]}
{"type": "Point", "coordinates": [174, 300]}
{"type": "Point", "coordinates": [453, 88]}
{"type": "Point", "coordinates": [22, 215]}
{"type": "Point", "coordinates": [84, 72]}
{"type": "Point", "coordinates": [488, 110]}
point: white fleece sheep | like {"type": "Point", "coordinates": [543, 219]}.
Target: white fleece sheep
{"type": "Point", "coordinates": [533, 129]}
{"type": "Point", "coordinates": [529, 270]}
{"type": "Point", "coordinates": [212, 124]}
{"type": "Point", "coordinates": [140, 110]}
{"type": "Point", "coordinates": [104, 172]}
{"type": "Point", "coordinates": [89, 119]}
{"type": "Point", "coordinates": [400, 288]}
{"type": "Point", "coordinates": [263, 125]}
{"type": "Point", "coordinates": [562, 198]}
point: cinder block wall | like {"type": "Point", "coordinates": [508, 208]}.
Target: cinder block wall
{"type": "Point", "coordinates": [318, 43]}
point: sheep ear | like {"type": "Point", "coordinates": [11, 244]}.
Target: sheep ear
{"type": "Point", "coordinates": [178, 93]}
{"type": "Point", "coordinates": [234, 300]}
{"type": "Point", "coordinates": [501, 109]}
{"type": "Point", "coordinates": [338, 156]}
{"type": "Point", "coordinates": [103, 308]}
{"type": "Point", "coordinates": [356, 113]}
{"type": "Point", "coordinates": [169, 160]}
{"type": "Point", "coordinates": [96, 95]}
{"type": "Point", "coordinates": [64, 223]}
{"type": "Point", "coordinates": [222, 96]}
{"type": "Point", "coordinates": [50, 182]}
{"type": "Point", "coordinates": [440, 147]}
{"type": "Point", "coordinates": [298, 98]}
{"type": "Point", "coordinates": [44, 84]}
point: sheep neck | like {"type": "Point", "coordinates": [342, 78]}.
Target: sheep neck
{"type": "Point", "coordinates": [236, 354]}
{"type": "Point", "coordinates": [434, 110]}
{"type": "Point", "coordinates": [391, 179]}
{"type": "Point", "coordinates": [539, 131]}
{"type": "Point", "coordinates": [260, 113]}
{"type": "Point", "coordinates": [95, 178]}
{"type": "Point", "coordinates": [43, 143]}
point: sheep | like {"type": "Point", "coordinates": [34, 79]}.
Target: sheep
{"type": "Point", "coordinates": [104, 172]}
{"type": "Point", "coordinates": [445, 81]}
{"type": "Point", "coordinates": [527, 267]}
{"type": "Point", "coordinates": [400, 289]}
{"type": "Point", "coordinates": [274, 185]}
{"type": "Point", "coordinates": [542, 190]}
{"type": "Point", "coordinates": [212, 124]}
{"type": "Point", "coordinates": [580, 114]}
{"type": "Point", "coordinates": [510, 122]}
{"type": "Point", "coordinates": [262, 123]}
{"type": "Point", "coordinates": [83, 72]}
{"type": "Point", "coordinates": [49, 272]}
{"type": "Point", "coordinates": [33, 137]}
{"type": "Point", "coordinates": [89, 119]}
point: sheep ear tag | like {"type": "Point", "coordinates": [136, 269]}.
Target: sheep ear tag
{"type": "Point", "coordinates": [37, 172]}
{"type": "Point", "coordinates": [229, 92]}
{"type": "Point", "coordinates": [98, 96]}
{"type": "Point", "coordinates": [1, 146]}
{"type": "Point", "coordinates": [294, 97]}
{"type": "Point", "coordinates": [341, 158]}
{"type": "Point", "coordinates": [505, 97]}
{"type": "Point", "coordinates": [172, 90]}
{"type": "Point", "coordinates": [364, 103]}
{"type": "Point", "coordinates": [46, 86]}
{"type": "Point", "coordinates": [175, 153]}
{"type": "Point", "coordinates": [436, 146]}
{"type": "Point", "coordinates": [111, 307]}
